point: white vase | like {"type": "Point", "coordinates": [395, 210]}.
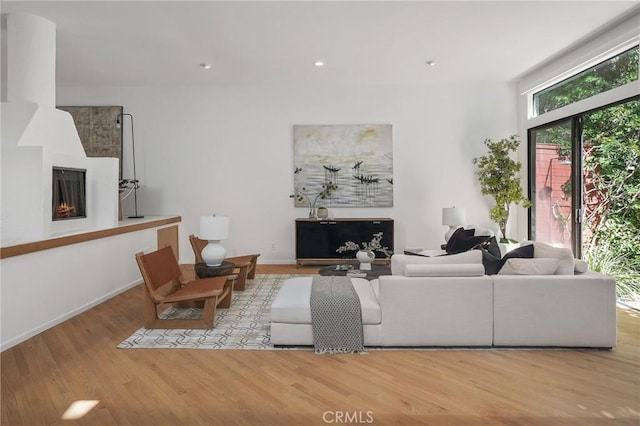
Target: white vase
{"type": "Point", "coordinates": [365, 258]}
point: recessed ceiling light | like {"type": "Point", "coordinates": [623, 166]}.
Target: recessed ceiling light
{"type": "Point", "coordinates": [431, 63]}
{"type": "Point", "coordinates": [206, 66]}
{"type": "Point", "coordinates": [318, 63]}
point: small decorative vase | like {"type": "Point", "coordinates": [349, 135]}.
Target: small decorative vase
{"type": "Point", "coordinates": [312, 213]}
{"type": "Point", "coordinates": [365, 258]}
{"type": "Point", "coordinates": [323, 213]}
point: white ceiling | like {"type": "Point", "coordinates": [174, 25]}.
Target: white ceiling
{"type": "Point", "coordinates": [386, 42]}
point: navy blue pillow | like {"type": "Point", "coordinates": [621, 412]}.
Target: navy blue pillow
{"type": "Point", "coordinates": [464, 240]}
{"type": "Point", "coordinates": [493, 264]}
{"type": "Point", "coordinates": [491, 245]}
{"type": "Point", "coordinates": [412, 253]}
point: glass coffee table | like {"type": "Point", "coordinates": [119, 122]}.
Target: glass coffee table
{"type": "Point", "coordinates": [340, 271]}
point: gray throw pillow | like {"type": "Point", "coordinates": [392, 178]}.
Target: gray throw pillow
{"type": "Point", "coordinates": [535, 266]}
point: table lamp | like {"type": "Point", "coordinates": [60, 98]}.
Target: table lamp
{"type": "Point", "coordinates": [455, 217]}
{"type": "Point", "coordinates": [213, 229]}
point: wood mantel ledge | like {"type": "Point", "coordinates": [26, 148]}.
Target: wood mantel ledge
{"type": "Point", "coordinates": [124, 227]}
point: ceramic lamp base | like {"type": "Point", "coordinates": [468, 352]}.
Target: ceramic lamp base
{"type": "Point", "coordinates": [213, 253]}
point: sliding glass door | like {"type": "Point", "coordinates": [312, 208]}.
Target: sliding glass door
{"type": "Point", "coordinates": [585, 173]}
{"type": "Point", "coordinates": [553, 219]}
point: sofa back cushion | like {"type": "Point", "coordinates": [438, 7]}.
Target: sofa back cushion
{"type": "Point", "coordinates": [564, 256]}
{"type": "Point", "coordinates": [536, 266]}
{"type": "Point", "coordinates": [493, 265]}
{"type": "Point", "coordinates": [399, 261]}
{"type": "Point", "coordinates": [444, 270]}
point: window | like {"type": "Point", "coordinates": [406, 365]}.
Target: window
{"type": "Point", "coordinates": [607, 75]}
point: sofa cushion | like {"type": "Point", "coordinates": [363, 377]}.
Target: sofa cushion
{"type": "Point", "coordinates": [580, 266]}
{"type": "Point", "coordinates": [464, 240]}
{"type": "Point", "coordinates": [451, 270]}
{"type": "Point", "coordinates": [493, 264]}
{"type": "Point", "coordinates": [564, 255]}
{"type": "Point", "coordinates": [536, 266]}
{"type": "Point", "coordinates": [399, 261]}
{"type": "Point", "coordinates": [291, 304]}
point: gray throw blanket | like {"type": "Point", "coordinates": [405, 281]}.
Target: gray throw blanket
{"type": "Point", "coordinates": [336, 316]}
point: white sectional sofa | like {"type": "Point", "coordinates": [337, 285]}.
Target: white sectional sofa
{"type": "Point", "coordinates": [427, 303]}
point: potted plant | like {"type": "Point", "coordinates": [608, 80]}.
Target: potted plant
{"type": "Point", "coordinates": [499, 177]}
{"type": "Point", "coordinates": [366, 253]}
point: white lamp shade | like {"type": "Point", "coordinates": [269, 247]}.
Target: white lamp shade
{"type": "Point", "coordinates": [213, 228]}
{"type": "Point", "coordinates": [454, 216]}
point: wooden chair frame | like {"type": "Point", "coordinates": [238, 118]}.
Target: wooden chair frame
{"type": "Point", "coordinates": [245, 266]}
{"type": "Point", "coordinates": [164, 285]}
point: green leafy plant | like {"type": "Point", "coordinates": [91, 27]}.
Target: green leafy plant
{"type": "Point", "coordinates": [607, 259]}
{"type": "Point", "coordinates": [499, 177]}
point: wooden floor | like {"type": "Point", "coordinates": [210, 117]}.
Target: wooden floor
{"type": "Point", "coordinates": [78, 360]}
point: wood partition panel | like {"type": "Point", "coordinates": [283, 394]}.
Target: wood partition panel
{"type": "Point", "coordinates": [169, 237]}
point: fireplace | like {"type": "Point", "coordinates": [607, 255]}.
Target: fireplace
{"type": "Point", "coordinates": [69, 194]}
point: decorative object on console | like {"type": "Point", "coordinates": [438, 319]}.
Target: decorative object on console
{"type": "Point", "coordinates": [454, 217]}
{"type": "Point", "coordinates": [303, 194]}
{"type": "Point", "coordinates": [213, 229]}
{"type": "Point", "coordinates": [359, 157]}
{"type": "Point", "coordinates": [134, 183]}
{"type": "Point", "coordinates": [323, 213]}
{"type": "Point", "coordinates": [499, 177]}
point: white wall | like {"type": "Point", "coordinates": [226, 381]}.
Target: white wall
{"type": "Point", "coordinates": [229, 150]}
{"type": "Point", "coordinates": [45, 288]}
{"type": "Point", "coordinates": [36, 137]}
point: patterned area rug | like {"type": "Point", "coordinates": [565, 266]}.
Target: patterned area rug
{"type": "Point", "coordinates": [245, 325]}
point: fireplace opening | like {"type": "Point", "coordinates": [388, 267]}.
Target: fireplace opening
{"type": "Point", "coordinates": [69, 194]}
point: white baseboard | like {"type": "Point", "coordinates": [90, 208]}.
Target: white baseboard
{"type": "Point", "coordinates": [49, 324]}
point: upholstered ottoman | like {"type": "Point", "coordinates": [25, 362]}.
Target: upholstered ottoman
{"type": "Point", "coordinates": [291, 312]}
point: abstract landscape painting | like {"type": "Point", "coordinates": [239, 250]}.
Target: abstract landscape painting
{"type": "Point", "coordinates": [356, 158]}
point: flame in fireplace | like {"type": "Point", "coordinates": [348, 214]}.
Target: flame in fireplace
{"type": "Point", "coordinates": [65, 210]}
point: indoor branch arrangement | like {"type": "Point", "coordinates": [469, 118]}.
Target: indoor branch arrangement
{"type": "Point", "coordinates": [499, 177]}
{"type": "Point", "coordinates": [370, 247]}
{"type": "Point", "coordinates": [312, 197]}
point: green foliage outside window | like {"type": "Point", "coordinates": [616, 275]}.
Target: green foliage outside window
{"type": "Point", "coordinates": [611, 168]}
{"type": "Point", "coordinates": [612, 176]}
{"type": "Point", "coordinates": [615, 72]}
